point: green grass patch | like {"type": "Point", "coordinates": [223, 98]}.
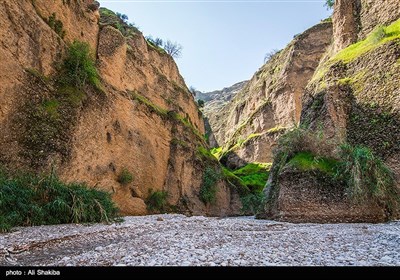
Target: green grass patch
{"type": "Point", "coordinates": [253, 168]}
{"type": "Point", "coordinates": [216, 152]}
{"type": "Point", "coordinates": [38, 75]}
{"type": "Point", "coordinates": [71, 95]}
{"type": "Point", "coordinates": [276, 129]}
{"type": "Point", "coordinates": [186, 123]}
{"type": "Point", "coordinates": [327, 20]}
{"type": "Point", "coordinates": [155, 47]}
{"type": "Point", "coordinates": [51, 107]}
{"type": "Point", "coordinates": [375, 39]}
{"type": "Point", "coordinates": [205, 154]}
{"type": "Point", "coordinates": [157, 201]}
{"type": "Point", "coordinates": [179, 142]}
{"type": "Point", "coordinates": [235, 181]}
{"type": "Point", "coordinates": [363, 173]}
{"type": "Point", "coordinates": [153, 107]}
{"type": "Point", "coordinates": [378, 37]}
{"type": "Point", "coordinates": [307, 161]}
{"type": "Point", "coordinates": [345, 81]}
{"type": "Point", "coordinates": [254, 175]}
{"type": "Point", "coordinates": [125, 177]}
{"type": "Point", "coordinates": [29, 200]}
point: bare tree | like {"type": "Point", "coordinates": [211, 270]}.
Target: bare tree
{"type": "Point", "coordinates": [192, 90]}
{"type": "Point", "coordinates": [270, 55]}
{"type": "Point", "coordinates": [158, 42]}
{"type": "Point", "coordinates": [173, 49]}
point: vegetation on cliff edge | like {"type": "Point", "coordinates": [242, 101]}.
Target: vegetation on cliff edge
{"type": "Point", "coordinates": [363, 175]}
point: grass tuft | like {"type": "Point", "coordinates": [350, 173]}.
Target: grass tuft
{"type": "Point", "coordinates": [157, 201]}
{"type": "Point", "coordinates": [29, 200]}
{"type": "Point", "coordinates": [307, 161]}
{"type": "Point", "coordinates": [125, 177]}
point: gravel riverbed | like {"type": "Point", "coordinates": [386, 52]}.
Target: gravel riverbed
{"type": "Point", "coordinates": [177, 240]}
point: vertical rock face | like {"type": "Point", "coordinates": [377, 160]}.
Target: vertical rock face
{"type": "Point", "coordinates": [353, 97]}
{"type": "Point", "coordinates": [144, 121]}
{"type": "Point", "coordinates": [346, 25]}
{"type": "Point", "coordinates": [353, 20]}
{"type": "Point", "coordinates": [251, 122]}
{"type": "Point", "coordinates": [31, 41]}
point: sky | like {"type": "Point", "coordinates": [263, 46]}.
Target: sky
{"type": "Point", "coordinates": [224, 42]}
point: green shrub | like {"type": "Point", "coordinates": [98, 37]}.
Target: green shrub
{"type": "Point", "coordinates": [118, 21]}
{"type": "Point", "coordinates": [27, 200]}
{"type": "Point", "coordinates": [56, 25]}
{"type": "Point", "coordinates": [367, 176]}
{"type": "Point", "coordinates": [79, 67]}
{"type": "Point", "coordinates": [125, 177]}
{"type": "Point", "coordinates": [252, 203]}
{"type": "Point", "coordinates": [157, 201]}
{"type": "Point", "coordinates": [200, 103]}
{"type": "Point", "coordinates": [208, 189]}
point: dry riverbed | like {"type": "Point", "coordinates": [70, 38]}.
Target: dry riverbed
{"type": "Point", "coordinates": [161, 240]}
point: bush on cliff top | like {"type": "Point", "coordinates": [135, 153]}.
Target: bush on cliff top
{"type": "Point", "coordinates": [29, 200]}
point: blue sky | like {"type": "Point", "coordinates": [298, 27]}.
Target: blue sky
{"type": "Point", "coordinates": [224, 42]}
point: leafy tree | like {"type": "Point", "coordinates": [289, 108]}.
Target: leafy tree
{"type": "Point", "coordinates": [200, 103]}
{"type": "Point", "coordinates": [122, 17]}
{"type": "Point", "coordinates": [173, 49]}
{"type": "Point", "coordinates": [329, 4]}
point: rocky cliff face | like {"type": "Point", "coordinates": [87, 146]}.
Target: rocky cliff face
{"type": "Point", "coordinates": [353, 97]}
{"type": "Point", "coordinates": [142, 121]}
{"type": "Point", "coordinates": [248, 126]}
{"type": "Point", "coordinates": [215, 101]}
{"type": "Point", "coordinates": [221, 96]}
